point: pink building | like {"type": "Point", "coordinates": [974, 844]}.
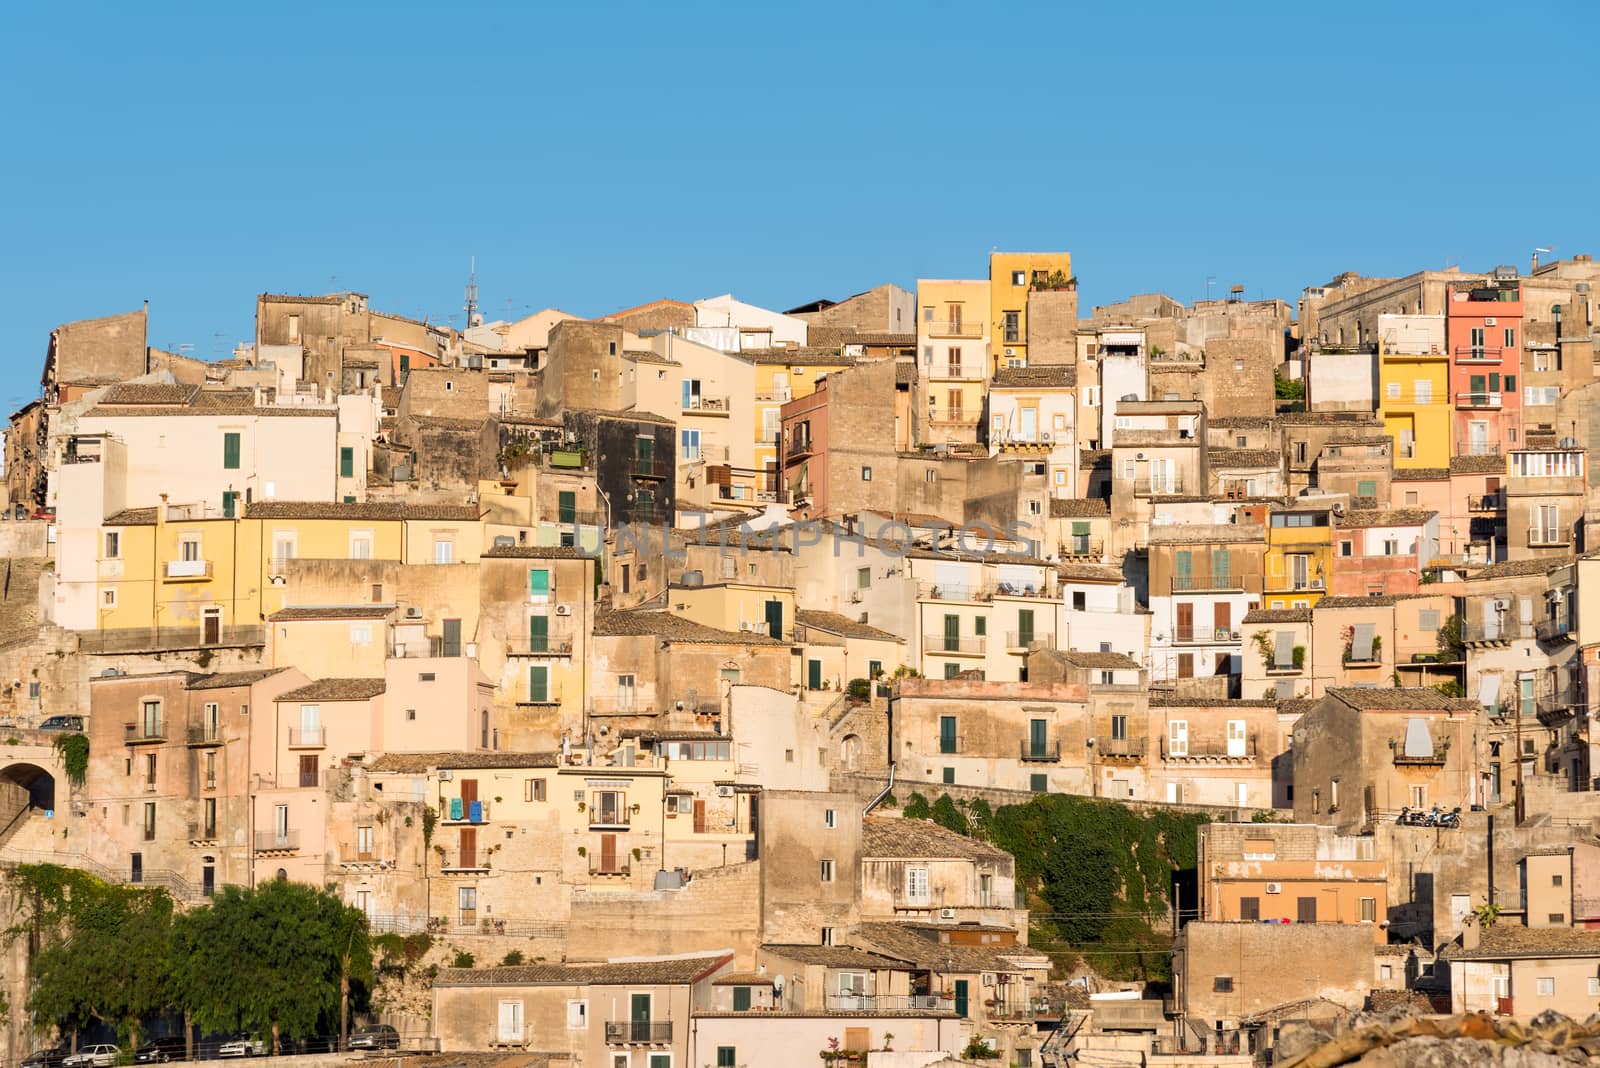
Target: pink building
{"type": "Point", "coordinates": [1383, 551]}
{"type": "Point", "coordinates": [1483, 331]}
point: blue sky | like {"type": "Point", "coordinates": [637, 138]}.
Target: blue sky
{"type": "Point", "coordinates": [592, 156]}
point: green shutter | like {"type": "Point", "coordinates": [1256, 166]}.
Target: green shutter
{"type": "Point", "coordinates": [538, 683]}
{"type": "Point", "coordinates": [947, 733]}
{"type": "Point", "coordinates": [347, 462]}
{"type": "Point", "coordinates": [1221, 564]}
{"type": "Point", "coordinates": [1025, 626]}
{"type": "Point", "coordinates": [980, 626]}
{"type": "Point", "coordinates": [228, 499]}
{"type": "Point", "coordinates": [726, 1054]}
{"type": "Point", "coordinates": [1366, 488]}
{"type": "Point", "coordinates": [538, 634]}
{"type": "Point", "coordinates": [230, 452]}
{"type": "Point", "coordinates": [1184, 559]}
{"type": "Point", "coordinates": [539, 582]}
{"type": "Point", "coordinates": [952, 633]}
{"type": "Point", "coordinates": [741, 1003]}
{"type": "Point", "coordinates": [1080, 528]}
{"type": "Point", "coordinates": [567, 507]}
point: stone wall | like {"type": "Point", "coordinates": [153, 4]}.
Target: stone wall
{"type": "Point", "coordinates": [1052, 327]}
{"type": "Point", "coordinates": [720, 908]}
{"type": "Point", "coordinates": [1225, 971]}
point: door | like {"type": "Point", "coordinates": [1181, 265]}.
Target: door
{"type": "Point", "coordinates": [1185, 665]}
{"type": "Point", "coordinates": [639, 1016]}
{"type": "Point", "coordinates": [608, 854]}
{"type": "Point", "coordinates": [538, 634]}
{"type": "Point", "coordinates": [699, 816]}
{"type": "Point", "coordinates": [1025, 627]}
{"type": "Point", "coordinates": [467, 906]}
{"type": "Point", "coordinates": [813, 674]}
{"type": "Point", "coordinates": [775, 620]}
{"type": "Point", "coordinates": [1030, 424]}
{"type": "Point", "coordinates": [213, 626]}
{"type": "Point", "coordinates": [952, 634]}
{"type": "Point", "coordinates": [961, 998]}
{"type": "Point", "coordinates": [452, 637]}
{"type": "Point", "coordinates": [310, 724]}
{"type": "Point", "coordinates": [136, 868]}
{"type": "Point", "coordinates": [1174, 793]}
{"type": "Point", "coordinates": [1236, 738]}
{"type": "Point", "coordinates": [1306, 909]}
{"type": "Point", "coordinates": [1038, 738]}
{"type": "Point", "coordinates": [469, 847]}
{"type": "Point", "coordinates": [1222, 614]}
{"type": "Point", "coordinates": [1477, 438]}
{"type": "Point", "coordinates": [1185, 621]}
{"type": "Point", "coordinates": [1178, 732]}
{"type": "Point", "coordinates": [566, 507]}
{"type": "Point", "coordinates": [1300, 570]}
{"type": "Point", "coordinates": [1241, 795]}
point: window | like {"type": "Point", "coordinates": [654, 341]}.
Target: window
{"type": "Point", "coordinates": [1080, 601]}
{"type": "Point", "coordinates": [230, 451]}
{"type": "Point", "coordinates": [1222, 984]}
{"type": "Point", "coordinates": [308, 770]}
{"type": "Point", "coordinates": [347, 462]}
{"type": "Point", "coordinates": [1119, 728]}
{"type": "Point", "coordinates": [1249, 908]}
{"type": "Point", "coordinates": [947, 735]}
{"type": "Point", "coordinates": [364, 843]}
{"type": "Point", "coordinates": [1555, 880]}
{"type": "Point", "coordinates": [108, 598]}
{"type": "Point", "coordinates": [149, 821]}
{"type": "Point", "coordinates": [533, 790]}
{"type": "Point", "coordinates": [444, 551]}
{"type": "Point", "coordinates": [113, 544]}
{"type": "Point", "coordinates": [863, 578]}
{"type": "Point", "coordinates": [727, 1056]}
{"type": "Point", "coordinates": [360, 634]}
{"type": "Point", "coordinates": [577, 1015]}
{"type": "Point", "coordinates": [1369, 910]}
{"type": "Point", "coordinates": [1346, 548]}
{"type": "Point", "coordinates": [917, 885]}
{"type": "Point", "coordinates": [948, 776]}
{"type": "Point", "coordinates": [510, 1029]}
{"type": "Point", "coordinates": [829, 818]}
{"type": "Point", "coordinates": [1547, 986]}
{"type": "Point", "coordinates": [689, 444]}
{"type": "Point", "coordinates": [826, 871]}
{"type": "Point", "coordinates": [361, 545]}
{"type": "Point", "coordinates": [1392, 390]}
{"type": "Point", "coordinates": [866, 474]}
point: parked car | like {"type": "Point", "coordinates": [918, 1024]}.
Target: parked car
{"type": "Point", "coordinates": [49, 1057]}
{"type": "Point", "coordinates": [160, 1051]}
{"type": "Point", "coordinates": [379, 1036]}
{"type": "Point", "coordinates": [242, 1047]}
{"type": "Point", "coordinates": [62, 723]}
{"type": "Point", "coordinates": [103, 1055]}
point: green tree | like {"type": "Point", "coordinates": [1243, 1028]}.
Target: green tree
{"type": "Point", "coordinates": [279, 959]}
{"type": "Point", "coordinates": [947, 815]}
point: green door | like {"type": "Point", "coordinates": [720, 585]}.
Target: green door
{"type": "Point", "coordinates": [644, 452]}
{"type": "Point", "coordinates": [1025, 627]}
{"type": "Point", "coordinates": [947, 734]}
{"type": "Point", "coordinates": [1183, 577]}
{"type": "Point", "coordinates": [775, 620]}
{"type": "Point", "coordinates": [230, 451]}
{"type": "Point", "coordinates": [1038, 734]}
{"type": "Point", "coordinates": [229, 504]}
{"type": "Point", "coordinates": [741, 999]}
{"type": "Point", "coordinates": [567, 507]}
{"type": "Point", "coordinates": [813, 674]}
{"type": "Point", "coordinates": [405, 364]}
{"type": "Point", "coordinates": [538, 683]}
{"type": "Point", "coordinates": [538, 634]}
{"type": "Point", "coordinates": [639, 1016]}
{"type": "Point", "coordinates": [961, 997]}
{"type": "Point", "coordinates": [347, 462]}
{"type": "Point", "coordinates": [952, 634]}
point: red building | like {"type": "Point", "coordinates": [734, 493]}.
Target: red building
{"type": "Point", "coordinates": [1382, 551]}
{"type": "Point", "coordinates": [1483, 324]}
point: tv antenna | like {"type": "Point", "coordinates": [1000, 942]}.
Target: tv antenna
{"type": "Point", "coordinates": [472, 295]}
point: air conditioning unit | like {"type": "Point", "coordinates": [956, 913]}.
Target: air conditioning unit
{"type": "Point", "coordinates": [947, 914]}
{"type": "Point", "coordinates": [1046, 437]}
{"type": "Point", "coordinates": [1490, 321]}
{"type": "Point", "coordinates": [1011, 352]}
{"type": "Point", "coordinates": [988, 980]}
{"type": "Point", "coordinates": [413, 612]}
{"type": "Point", "coordinates": [445, 774]}
{"type": "Point", "coordinates": [724, 791]}
{"type": "Point", "coordinates": [563, 609]}
{"type": "Point", "coordinates": [1274, 888]}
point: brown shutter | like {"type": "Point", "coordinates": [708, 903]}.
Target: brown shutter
{"type": "Point", "coordinates": [608, 852]}
{"type": "Point", "coordinates": [699, 816]}
{"type": "Point", "coordinates": [469, 847]}
{"type": "Point", "coordinates": [469, 791]}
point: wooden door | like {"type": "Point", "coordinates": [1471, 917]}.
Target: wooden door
{"type": "Point", "coordinates": [699, 816]}
{"type": "Point", "coordinates": [608, 853]}
{"type": "Point", "coordinates": [1185, 621]}
{"type": "Point", "coordinates": [1223, 614]}
{"type": "Point", "coordinates": [469, 791]}
{"type": "Point", "coordinates": [213, 628]}
{"type": "Point", "coordinates": [469, 847]}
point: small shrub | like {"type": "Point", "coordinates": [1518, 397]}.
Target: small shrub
{"type": "Point", "coordinates": [512, 959]}
{"type": "Point", "coordinates": [463, 959]}
{"type": "Point", "coordinates": [859, 689]}
{"type": "Point", "coordinates": [917, 808]}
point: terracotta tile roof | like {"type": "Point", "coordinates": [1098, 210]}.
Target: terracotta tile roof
{"type": "Point", "coordinates": [671, 628]}
{"type": "Point", "coordinates": [420, 763]}
{"type": "Point", "coordinates": [369, 510]}
{"type": "Point", "coordinates": [805, 356]}
{"type": "Point", "coordinates": [1097, 660]}
{"type": "Point", "coordinates": [1182, 533]}
{"type": "Point", "coordinates": [1078, 507]}
{"type": "Point", "coordinates": [1075, 572]}
{"type": "Point", "coordinates": [742, 979]}
{"type": "Point", "coordinates": [834, 623]}
{"type": "Point", "coordinates": [535, 552]}
{"type": "Point", "coordinates": [1296, 706]}
{"type": "Point", "coordinates": [904, 943]}
{"type": "Point", "coordinates": [1421, 474]}
{"type": "Point", "coordinates": [1277, 615]}
{"type": "Point", "coordinates": [876, 340]}
{"type": "Point", "coordinates": [391, 396]}
{"type": "Point", "coordinates": [1486, 464]}
{"type": "Point", "coordinates": [1403, 699]}
{"type": "Point", "coordinates": [1504, 940]}
{"type": "Point", "coordinates": [1387, 517]}
{"type": "Point", "coordinates": [681, 970]}
{"type": "Point", "coordinates": [336, 690]}
{"type": "Point", "coordinates": [905, 373]}
{"type": "Point", "coordinates": [1515, 568]}
{"type": "Point", "coordinates": [1327, 419]}
{"type": "Point", "coordinates": [889, 837]}
{"type": "Point", "coordinates": [1168, 699]}
{"type": "Point", "coordinates": [834, 956]}
{"type": "Point", "coordinates": [1244, 457]}
{"type": "Point", "coordinates": [227, 679]}
{"type": "Point", "coordinates": [1046, 376]}
{"type": "Point", "coordinates": [664, 302]}
{"type": "Point", "coordinates": [290, 298]}
{"type": "Point", "coordinates": [627, 417]}
{"type": "Point", "coordinates": [1373, 601]}
{"type": "Point", "coordinates": [1242, 422]}
{"type": "Point", "coordinates": [149, 393]}
{"type": "Point", "coordinates": [132, 517]}
{"type": "Point", "coordinates": [296, 613]}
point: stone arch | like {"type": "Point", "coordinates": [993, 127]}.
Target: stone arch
{"type": "Point", "coordinates": [25, 785]}
{"type": "Point", "coordinates": [850, 752]}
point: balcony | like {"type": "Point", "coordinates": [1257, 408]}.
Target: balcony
{"type": "Point", "coordinates": [306, 738]}
{"type": "Point", "coordinates": [459, 810]}
{"type": "Point", "coordinates": [1548, 539]}
{"type": "Point", "coordinates": [204, 736]}
{"type": "Point", "coordinates": [277, 841]}
{"type": "Point", "coordinates": [1553, 630]}
{"type": "Point", "coordinates": [1158, 487]}
{"type": "Point", "coordinates": [1119, 750]}
{"type": "Point", "coordinates": [571, 459]}
{"type": "Point", "coordinates": [930, 591]}
{"type": "Point", "coordinates": [609, 819]}
{"type": "Point", "coordinates": [1477, 448]}
{"type": "Point", "coordinates": [1022, 641]}
{"type": "Point", "coordinates": [1205, 583]}
{"type": "Point", "coordinates": [1242, 751]}
{"type": "Point", "coordinates": [1040, 754]}
{"type": "Point", "coordinates": [651, 467]}
{"type": "Point", "coordinates": [1553, 710]}
{"type": "Point", "coordinates": [187, 570]}
{"type": "Point", "coordinates": [942, 645]}
{"type": "Point", "coordinates": [1081, 547]}
{"type": "Point", "coordinates": [1479, 400]}
{"type": "Point", "coordinates": [463, 865]}
{"type": "Point", "coordinates": [1435, 759]}
{"type": "Point", "coordinates": [580, 517]}
{"type": "Point", "coordinates": [1182, 635]}
{"type": "Point", "coordinates": [638, 1032]}
{"type": "Point", "coordinates": [890, 1003]}
{"type": "Point", "coordinates": [951, 328]}
{"type": "Point", "coordinates": [1477, 354]}
{"type": "Point", "coordinates": [959, 416]}
{"type": "Point", "coordinates": [551, 645]}
{"type": "Point", "coordinates": [618, 869]}
{"type": "Point", "coordinates": [167, 639]}
{"type": "Point", "coordinates": [146, 732]}
{"type": "Point", "coordinates": [1491, 502]}
{"type": "Point", "coordinates": [707, 406]}
{"type": "Point", "coordinates": [946, 371]}
{"type": "Point", "coordinates": [551, 696]}
{"type": "Point", "coordinates": [199, 833]}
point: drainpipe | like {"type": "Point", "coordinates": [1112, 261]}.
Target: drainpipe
{"type": "Point", "coordinates": [887, 788]}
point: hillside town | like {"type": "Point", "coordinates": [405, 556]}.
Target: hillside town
{"type": "Point", "coordinates": [934, 676]}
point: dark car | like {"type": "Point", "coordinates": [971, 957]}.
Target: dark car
{"type": "Point", "coordinates": [379, 1036]}
{"type": "Point", "coordinates": [62, 723]}
{"type": "Point", "coordinates": [50, 1057]}
{"type": "Point", "coordinates": [160, 1051]}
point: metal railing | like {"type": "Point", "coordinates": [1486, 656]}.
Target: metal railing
{"type": "Point", "coordinates": [1477, 448]}
{"type": "Point", "coordinates": [774, 396]}
{"type": "Point", "coordinates": [952, 415]}
{"type": "Point", "coordinates": [936, 644]}
{"type": "Point", "coordinates": [466, 812]}
{"type": "Point", "coordinates": [274, 842]}
{"type": "Point", "coordinates": [1203, 635]}
{"type": "Point", "coordinates": [890, 1003]}
{"type": "Point", "coordinates": [1197, 583]}
{"type": "Point", "coordinates": [1489, 502]}
{"type": "Point", "coordinates": [1477, 354]}
{"type": "Point", "coordinates": [306, 738]}
{"type": "Point", "coordinates": [1046, 754]}
{"type": "Point", "coordinates": [638, 1032]}
{"type": "Point", "coordinates": [955, 370]}
{"type": "Point", "coordinates": [1158, 487]}
{"type": "Point", "coordinates": [717, 404]}
{"type": "Point", "coordinates": [619, 868]}
{"type": "Point", "coordinates": [1120, 748]}
{"type": "Point", "coordinates": [619, 818]}
{"type": "Point", "coordinates": [1548, 538]}
{"type": "Point", "coordinates": [1080, 547]}
{"type": "Point", "coordinates": [651, 468]}
{"type": "Point", "coordinates": [557, 644]}
{"type": "Point", "coordinates": [952, 328]}
{"type": "Point", "coordinates": [205, 734]}
{"type": "Point", "coordinates": [1027, 639]}
{"type": "Point", "coordinates": [1223, 750]}
{"type": "Point", "coordinates": [166, 639]}
{"type": "Point", "coordinates": [1552, 630]}
{"type": "Point", "coordinates": [1485, 399]}
{"type": "Point", "coordinates": [935, 591]}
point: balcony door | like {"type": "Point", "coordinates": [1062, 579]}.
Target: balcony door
{"type": "Point", "coordinates": [1222, 615]}
{"type": "Point", "coordinates": [1236, 738]}
{"type": "Point", "coordinates": [639, 1016]}
{"type": "Point", "coordinates": [1185, 620]}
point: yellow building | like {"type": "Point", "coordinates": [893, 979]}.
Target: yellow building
{"type": "Point", "coordinates": [781, 376]}
{"type": "Point", "coordinates": [1299, 557]}
{"type": "Point", "coordinates": [737, 606]}
{"type": "Point", "coordinates": [1012, 276]}
{"type": "Point", "coordinates": [953, 353]}
{"type": "Point", "coordinates": [1414, 396]}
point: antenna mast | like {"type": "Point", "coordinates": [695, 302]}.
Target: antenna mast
{"type": "Point", "coordinates": [472, 296]}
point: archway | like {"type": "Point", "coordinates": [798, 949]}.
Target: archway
{"type": "Point", "coordinates": [26, 786]}
{"type": "Point", "coordinates": [850, 752]}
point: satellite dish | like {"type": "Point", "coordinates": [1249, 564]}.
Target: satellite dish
{"type": "Point", "coordinates": [777, 985]}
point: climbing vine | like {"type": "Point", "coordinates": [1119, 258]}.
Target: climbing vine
{"type": "Point", "coordinates": [74, 752]}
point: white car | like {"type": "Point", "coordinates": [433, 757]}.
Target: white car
{"type": "Point", "coordinates": [101, 1056]}
{"type": "Point", "coordinates": [242, 1047]}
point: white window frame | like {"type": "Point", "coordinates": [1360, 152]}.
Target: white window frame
{"type": "Point", "coordinates": [577, 1014]}
{"type": "Point", "coordinates": [502, 1032]}
{"type": "Point", "coordinates": [917, 886]}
